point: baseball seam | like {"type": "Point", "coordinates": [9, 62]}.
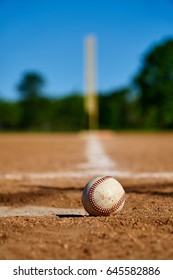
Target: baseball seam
{"type": "Point", "coordinates": [94, 204]}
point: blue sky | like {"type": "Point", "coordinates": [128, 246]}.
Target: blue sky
{"type": "Point", "coordinates": [47, 36]}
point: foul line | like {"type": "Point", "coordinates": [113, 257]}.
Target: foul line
{"type": "Point", "coordinates": [95, 154]}
{"type": "Point", "coordinates": [83, 174]}
{"type": "Point", "coordinates": [97, 163]}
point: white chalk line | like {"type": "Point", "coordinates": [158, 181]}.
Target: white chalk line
{"type": "Point", "coordinates": [95, 154]}
{"type": "Point", "coordinates": [84, 174]}
{"type": "Point", "coordinates": [97, 164]}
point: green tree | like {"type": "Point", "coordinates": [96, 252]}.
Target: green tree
{"type": "Point", "coordinates": [155, 84]}
{"type": "Point", "coordinates": [113, 109]}
{"type": "Point", "coordinates": [9, 115]}
{"type": "Point", "coordinates": [31, 86]}
{"type": "Point", "coordinates": [32, 103]}
{"type": "Point", "coordinates": [67, 113]}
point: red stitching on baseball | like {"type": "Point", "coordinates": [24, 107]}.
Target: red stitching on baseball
{"type": "Point", "coordinates": [97, 207]}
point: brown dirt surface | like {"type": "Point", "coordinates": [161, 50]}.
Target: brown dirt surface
{"type": "Point", "coordinates": [142, 230]}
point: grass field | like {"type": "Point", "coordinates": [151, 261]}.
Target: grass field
{"type": "Point", "coordinates": [41, 181]}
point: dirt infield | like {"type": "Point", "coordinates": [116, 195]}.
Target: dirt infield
{"type": "Point", "coordinates": [50, 170]}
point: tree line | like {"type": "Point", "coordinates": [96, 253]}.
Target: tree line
{"type": "Point", "coordinates": [147, 103]}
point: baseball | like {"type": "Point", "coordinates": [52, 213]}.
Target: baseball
{"type": "Point", "coordinates": [103, 196]}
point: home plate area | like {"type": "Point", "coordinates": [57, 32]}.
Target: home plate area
{"type": "Point", "coordinates": [42, 177]}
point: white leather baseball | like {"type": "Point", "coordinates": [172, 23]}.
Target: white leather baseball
{"type": "Point", "coordinates": [103, 196]}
